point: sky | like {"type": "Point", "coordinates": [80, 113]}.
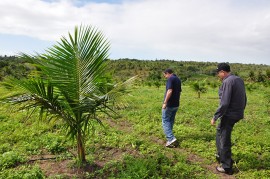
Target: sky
{"type": "Point", "coordinates": [234, 31]}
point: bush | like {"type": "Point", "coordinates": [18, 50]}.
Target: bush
{"type": "Point", "coordinates": [55, 145]}
{"type": "Point", "coordinates": [25, 172]}
{"type": "Point", "coordinates": [10, 159]}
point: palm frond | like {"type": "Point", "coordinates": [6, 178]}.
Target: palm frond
{"type": "Point", "coordinates": [39, 93]}
{"type": "Point", "coordinates": [120, 88]}
{"type": "Point", "coordinates": [68, 84]}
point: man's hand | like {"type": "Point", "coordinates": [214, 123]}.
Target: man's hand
{"type": "Point", "coordinates": [213, 122]}
{"type": "Point", "coordinates": [164, 106]}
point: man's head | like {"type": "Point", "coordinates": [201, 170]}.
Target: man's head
{"type": "Point", "coordinates": [167, 73]}
{"type": "Point", "coordinates": [223, 69]}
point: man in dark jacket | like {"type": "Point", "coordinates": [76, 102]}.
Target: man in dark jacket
{"type": "Point", "coordinates": [233, 101]}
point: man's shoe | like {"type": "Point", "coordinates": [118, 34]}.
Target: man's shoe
{"type": "Point", "coordinates": [172, 143]}
{"type": "Point", "coordinates": [228, 171]}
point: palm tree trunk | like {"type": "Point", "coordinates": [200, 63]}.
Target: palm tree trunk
{"type": "Point", "coordinates": [81, 147]}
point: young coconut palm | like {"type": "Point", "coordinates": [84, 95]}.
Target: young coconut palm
{"type": "Point", "coordinates": [67, 85]}
{"type": "Point", "coordinates": [199, 87]}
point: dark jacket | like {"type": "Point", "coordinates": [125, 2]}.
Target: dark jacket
{"type": "Point", "coordinates": [232, 97]}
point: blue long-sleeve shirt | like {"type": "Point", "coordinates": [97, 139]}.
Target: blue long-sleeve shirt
{"type": "Point", "coordinates": [232, 97]}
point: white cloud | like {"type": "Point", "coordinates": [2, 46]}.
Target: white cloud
{"type": "Point", "coordinates": [149, 29]}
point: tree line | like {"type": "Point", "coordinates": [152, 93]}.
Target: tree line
{"type": "Point", "coordinates": [149, 71]}
{"type": "Point", "coordinates": [13, 66]}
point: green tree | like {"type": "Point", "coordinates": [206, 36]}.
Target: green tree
{"type": "Point", "coordinates": [267, 97]}
{"type": "Point", "coordinates": [268, 73]}
{"type": "Point", "coordinates": [199, 87]}
{"type": "Point", "coordinates": [157, 84]}
{"type": "Point", "coordinates": [261, 77]}
{"type": "Point", "coordinates": [251, 76]}
{"type": "Point", "coordinates": [251, 86]}
{"type": "Point", "coordinates": [68, 85]}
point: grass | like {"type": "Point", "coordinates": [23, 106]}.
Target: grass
{"type": "Point", "coordinates": [132, 145]}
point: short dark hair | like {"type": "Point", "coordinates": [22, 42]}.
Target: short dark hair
{"type": "Point", "coordinates": [168, 71]}
{"type": "Point", "coordinates": [224, 67]}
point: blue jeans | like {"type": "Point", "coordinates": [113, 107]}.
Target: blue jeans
{"type": "Point", "coordinates": [168, 116]}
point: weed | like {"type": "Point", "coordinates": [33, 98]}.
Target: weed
{"type": "Point", "coordinates": [10, 159]}
{"type": "Point", "coordinates": [31, 172]}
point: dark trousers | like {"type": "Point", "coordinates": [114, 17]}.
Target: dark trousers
{"type": "Point", "coordinates": [223, 141]}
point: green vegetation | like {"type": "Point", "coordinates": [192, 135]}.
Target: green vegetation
{"type": "Point", "coordinates": [12, 66]}
{"type": "Point", "coordinates": [67, 85]}
{"type": "Point", "coordinates": [199, 87]}
{"type": "Point", "coordinates": [151, 70]}
{"type": "Point", "coordinates": [131, 146]}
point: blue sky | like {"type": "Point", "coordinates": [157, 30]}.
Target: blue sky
{"type": "Point", "coordinates": [236, 31]}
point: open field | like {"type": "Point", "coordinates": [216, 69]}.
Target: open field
{"type": "Point", "coordinates": [132, 146]}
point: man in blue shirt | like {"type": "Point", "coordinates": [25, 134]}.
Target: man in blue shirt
{"type": "Point", "coordinates": [231, 108]}
{"type": "Point", "coordinates": [170, 106]}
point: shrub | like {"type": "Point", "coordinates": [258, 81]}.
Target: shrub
{"type": "Point", "coordinates": [10, 159]}
{"type": "Point", "coordinates": [25, 172]}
